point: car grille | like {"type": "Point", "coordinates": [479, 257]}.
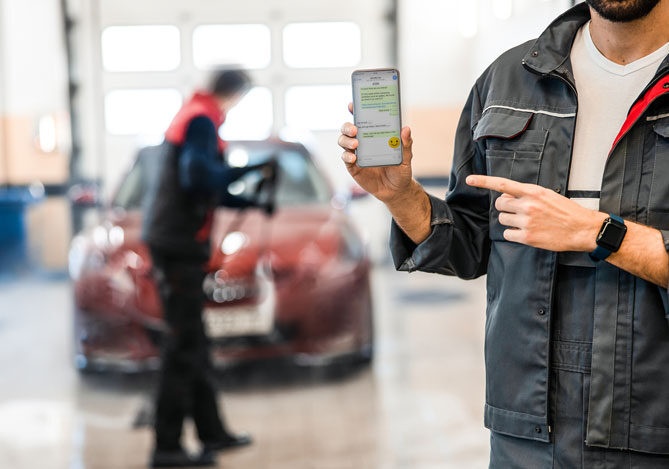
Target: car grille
{"type": "Point", "coordinates": [219, 288]}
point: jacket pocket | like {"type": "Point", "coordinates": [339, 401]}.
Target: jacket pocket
{"type": "Point", "coordinates": [519, 165]}
{"type": "Point", "coordinates": [658, 206]}
{"type": "Point", "coordinates": [513, 151]}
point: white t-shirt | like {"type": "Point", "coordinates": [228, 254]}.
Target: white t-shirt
{"type": "Point", "coordinates": [606, 91]}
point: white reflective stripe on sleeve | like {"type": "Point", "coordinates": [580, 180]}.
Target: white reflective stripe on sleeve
{"type": "Point", "coordinates": [535, 111]}
{"type": "Point", "coordinates": [654, 118]}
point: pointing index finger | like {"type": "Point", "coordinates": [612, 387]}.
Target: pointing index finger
{"type": "Point", "coordinates": [498, 184]}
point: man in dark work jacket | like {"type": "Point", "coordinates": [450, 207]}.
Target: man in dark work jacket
{"type": "Point", "coordinates": [559, 192]}
{"type": "Point", "coordinates": [193, 182]}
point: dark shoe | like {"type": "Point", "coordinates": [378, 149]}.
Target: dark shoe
{"type": "Point", "coordinates": [228, 442]}
{"type": "Point", "coordinates": [180, 458]}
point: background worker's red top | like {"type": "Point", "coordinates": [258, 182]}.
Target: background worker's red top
{"type": "Point", "coordinates": [200, 104]}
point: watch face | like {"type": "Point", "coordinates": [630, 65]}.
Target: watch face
{"type": "Point", "coordinates": [611, 235]}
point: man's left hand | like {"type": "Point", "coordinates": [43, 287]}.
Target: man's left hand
{"type": "Point", "coordinates": [540, 217]}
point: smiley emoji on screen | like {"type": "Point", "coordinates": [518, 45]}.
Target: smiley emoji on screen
{"type": "Point", "coordinates": [394, 142]}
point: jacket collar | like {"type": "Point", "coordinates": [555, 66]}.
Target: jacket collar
{"type": "Point", "coordinates": [553, 46]}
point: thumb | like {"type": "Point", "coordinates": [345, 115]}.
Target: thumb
{"type": "Point", "coordinates": [407, 143]}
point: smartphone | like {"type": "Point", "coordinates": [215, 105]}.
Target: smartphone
{"type": "Point", "coordinates": [377, 115]}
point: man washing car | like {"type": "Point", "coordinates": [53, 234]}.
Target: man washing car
{"type": "Point", "coordinates": [559, 191]}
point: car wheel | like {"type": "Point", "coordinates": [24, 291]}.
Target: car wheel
{"type": "Point", "coordinates": [79, 360]}
{"type": "Point", "coordinates": [365, 354]}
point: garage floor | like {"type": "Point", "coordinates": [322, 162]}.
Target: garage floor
{"type": "Point", "coordinates": [420, 406]}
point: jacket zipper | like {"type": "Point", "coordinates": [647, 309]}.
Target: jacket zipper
{"type": "Point", "coordinates": [571, 86]}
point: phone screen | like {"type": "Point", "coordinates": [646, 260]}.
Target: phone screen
{"type": "Point", "coordinates": [376, 112]}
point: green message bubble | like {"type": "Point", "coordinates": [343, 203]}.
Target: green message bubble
{"type": "Point", "coordinates": [375, 97]}
{"type": "Point", "coordinates": [379, 133]}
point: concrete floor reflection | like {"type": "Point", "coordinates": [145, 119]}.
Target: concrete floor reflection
{"type": "Point", "coordinates": [420, 406]}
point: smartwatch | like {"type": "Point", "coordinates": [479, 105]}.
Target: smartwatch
{"type": "Point", "coordinates": [610, 237]}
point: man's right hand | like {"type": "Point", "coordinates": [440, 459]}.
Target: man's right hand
{"type": "Point", "coordinates": [386, 183]}
{"type": "Point", "coordinates": [393, 185]}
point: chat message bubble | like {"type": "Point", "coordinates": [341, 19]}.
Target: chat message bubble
{"type": "Point", "coordinates": [383, 98]}
{"type": "Point", "coordinates": [379, 134]}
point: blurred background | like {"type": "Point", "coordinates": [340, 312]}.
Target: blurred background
{"type": "Point", "coordinates": [359, 366]}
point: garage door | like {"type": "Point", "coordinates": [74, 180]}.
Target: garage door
{"type": "Point", "coordinates": [151, 54]}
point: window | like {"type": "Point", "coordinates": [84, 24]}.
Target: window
{"type": "Point", "coordinates": [146, 112]}
{"type": "Point", "coordinates": [468, 18]}
{"type": "Point", "coordinates": [244, 45]}
{"type": "Point", "coordinates": [320, 107]}
{"type": "Point", "coordinates": [314, 45]}
{"type": "Point", "coordinates": [141, 48]}
{"type": "Point", "coordinates": [251, 118]}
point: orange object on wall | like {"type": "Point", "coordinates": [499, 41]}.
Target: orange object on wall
{"type": "Point", "coordinates": [433, 131]}
{"type": "Point", "coordinates": [22, 161]}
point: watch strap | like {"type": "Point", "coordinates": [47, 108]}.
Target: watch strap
{"type": "Point", "coordinates": [617, 218]}
{"type": "Point", "coordinates": [599, 254]}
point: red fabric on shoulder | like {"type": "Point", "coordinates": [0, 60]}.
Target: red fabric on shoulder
{"type": "Point", "coordinates": [660, 88]}
{"type": "Point", "coordinates": [200, 104]}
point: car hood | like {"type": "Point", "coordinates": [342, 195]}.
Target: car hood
{"type": "Point", "coordinates": [293, 236]}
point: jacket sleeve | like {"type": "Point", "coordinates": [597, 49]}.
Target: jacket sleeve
{"type": "Point", "coordinates": [664, 292]}
{"type": "Point", "coordinates": [200, 169]}
{"type": "Point", "coordinates": [459, 242]}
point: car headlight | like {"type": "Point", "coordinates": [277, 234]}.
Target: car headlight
{"type": "Point", "coordinates": [116, 236]}
{"type": "Point", "coordinates": [105, 238]}
{"type": "Point", "coordinates": [84, 257]}
{"type": "Point", "coordinates": [233, 242]}
{"type": "Point", "coordinates": [100, 236]}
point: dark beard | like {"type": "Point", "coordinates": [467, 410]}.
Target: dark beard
{"type": "Point", "coordinates": [622, 11]}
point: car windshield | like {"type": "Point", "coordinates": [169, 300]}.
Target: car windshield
{"type": "Point", "coordinates": [137, 184]}
{"type": "Point", "coordinates": [131, 191]}
{"type": "Point", "coordinates": [300, 182]}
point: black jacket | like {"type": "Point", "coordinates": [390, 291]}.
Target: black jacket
{"type": "Point", "coordinates": [519, 123]}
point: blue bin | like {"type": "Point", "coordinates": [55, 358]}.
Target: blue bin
{"type": "Point", "coordinates": [13, 232]}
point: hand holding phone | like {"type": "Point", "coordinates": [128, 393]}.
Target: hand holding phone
{"type": "Point", "coordinates": [377, 115]}
{"type": "Point", "coordinates": [386, 183]}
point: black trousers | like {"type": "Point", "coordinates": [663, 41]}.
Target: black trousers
{"type": "Point", "coordinates": [186, 385]}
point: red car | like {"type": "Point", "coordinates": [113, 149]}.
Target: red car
{"type": "Point", "coordinates": [295, 284]}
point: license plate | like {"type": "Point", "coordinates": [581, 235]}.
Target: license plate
{"type": "Point", "coordinates": [250, 319]}
{"type": "Point", "coordinates": [234, 321]}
